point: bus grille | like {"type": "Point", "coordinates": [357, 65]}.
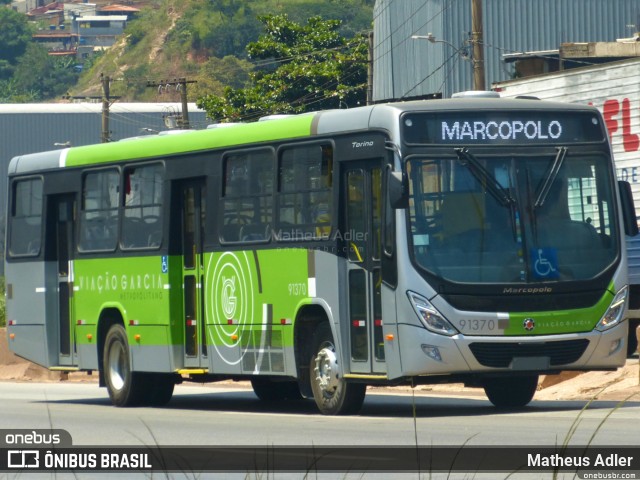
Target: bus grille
{"type": "Point", "coordinates": [500, 355]}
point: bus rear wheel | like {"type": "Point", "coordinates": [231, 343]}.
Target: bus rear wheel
{"type": "Point", "coordinates": [511, 392]}
{"type": "Point", "coordinates": [126, 388]}
{"type": "Point", "coordinates": [332, 393]}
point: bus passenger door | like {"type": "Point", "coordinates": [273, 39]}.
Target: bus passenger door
{"type": "Point", "coordinates": [61, 211]}
{"type": "Point", "coordinates": [361, 241]}
{"type": "Point", "coordinates": [192, 197]}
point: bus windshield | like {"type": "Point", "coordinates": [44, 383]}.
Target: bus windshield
{"type": "Point", "coordinates": [506, 219]}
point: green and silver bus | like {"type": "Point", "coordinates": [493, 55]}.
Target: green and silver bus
{"type": "Point", "coordinates": [475, 240]}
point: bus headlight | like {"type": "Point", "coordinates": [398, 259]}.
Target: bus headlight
{"type": "Point", "coordinates": [431, 318]}
{"type": "Point", "coordinates": [613, 315]}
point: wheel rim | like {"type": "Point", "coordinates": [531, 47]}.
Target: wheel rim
{"type": "Point", "coordinates": [327, 371]}
{"type": "Point", "coordinates": [117, 368]}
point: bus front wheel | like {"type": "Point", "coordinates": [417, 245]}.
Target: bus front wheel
{"type": "Point", "coordinates": [332, 393]}
{"type": "Point", "coordinates": [511, 392]}
{"type": "Point", "coordinates": [126, 388]}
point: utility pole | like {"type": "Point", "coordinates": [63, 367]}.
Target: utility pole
{"type": "Point", "coordinates": [181, 85]}
{"type": "Point", "coordinates": [478, 45]}
{"type": "Point", "coordinates": [370, 69]}
{"type": "Point", "coordinates": [105, 108]}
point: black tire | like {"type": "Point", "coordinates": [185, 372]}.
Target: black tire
{"type": "Point", "coordinates": [332, 393]}
{"type": "Point", "coordinates": [269, 390]}
{"type": "Point", "coordinates": [126, 388]}
{"type": "Point", "coordinates": [511, 392]}
{"type": "Point", "coordinates": [160, 389]}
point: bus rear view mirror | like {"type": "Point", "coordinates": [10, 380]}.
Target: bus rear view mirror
{"type": "Point", "coordinates": [628, 209]}
{"type": "Point", "coordinates": [397, 185]}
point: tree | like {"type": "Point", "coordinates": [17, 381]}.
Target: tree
{"type": "Point", "coordinates": [15, 36]}
{"type": "Point", "coordinates": [303, 68]}
{"type": "Point", "coordinates": [43, 74]}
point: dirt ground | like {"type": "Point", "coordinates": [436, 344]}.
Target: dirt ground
{"type": "Point", "coordinates": [621, 385]}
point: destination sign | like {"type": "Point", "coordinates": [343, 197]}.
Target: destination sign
{"type": "Point", "coordinates": [487, 127]}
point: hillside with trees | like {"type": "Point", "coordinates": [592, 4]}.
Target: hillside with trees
{"type": "Point", "coordinates": [227, 47]}
{"type": "Point", "coordinates": [207, 41]}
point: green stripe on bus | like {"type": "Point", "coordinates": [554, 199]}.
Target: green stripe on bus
{"type": "Point", "coordinates": [560, 321]}
{"type": "Point", "coordinates": [166, 145]}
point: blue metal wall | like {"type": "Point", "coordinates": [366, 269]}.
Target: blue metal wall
{"type": "Point", "coordinates": [404, 67]}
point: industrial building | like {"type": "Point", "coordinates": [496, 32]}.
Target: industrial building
{"type": "Point", "coordinates": [441, 63]}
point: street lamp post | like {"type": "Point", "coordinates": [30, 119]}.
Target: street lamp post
{"type": "Point", "coordinates": [478, 71]}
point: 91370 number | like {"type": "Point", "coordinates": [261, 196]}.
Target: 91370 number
{"type": "Point", "coordinates": [477, 325]}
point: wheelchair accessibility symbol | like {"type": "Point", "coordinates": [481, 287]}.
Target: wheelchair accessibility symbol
{"type": "Point", "coordinates": [545, 263]}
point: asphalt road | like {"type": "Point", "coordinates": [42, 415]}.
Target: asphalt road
{"type": "Point", "coordinates": [218, 415]}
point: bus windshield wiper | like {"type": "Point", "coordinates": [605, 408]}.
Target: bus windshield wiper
{"type": "Point", "coordinates": [550, 177]}
{"type": "Point", "coordinates": [485, 178]}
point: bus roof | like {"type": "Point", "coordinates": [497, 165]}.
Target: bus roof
{"type": "Point", "coordinates": [381, 116]}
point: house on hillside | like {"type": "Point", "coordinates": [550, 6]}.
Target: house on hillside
{"type": "Point", "coordinates": [118, 9]}
{"type": "Point", "coordinates": [51, 13]}
{"type": "Point", "coordinates": [25, 6]}
{"type": "Point", "coordinates": [58, 42]}
{"type": "Point", "coordinates": [97, 32]}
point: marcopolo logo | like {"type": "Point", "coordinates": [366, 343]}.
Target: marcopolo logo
{"type": "Point", "coordinates": [529, 324]}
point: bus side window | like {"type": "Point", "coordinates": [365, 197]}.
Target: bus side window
{"type": "Point", "coordinates": [142, 221]}
{"type": "Point", "coordinates": [26, 218]}
{"type": "Point", "coordinates": [304, 193]}
{"type": "Point", "coordinates": [247, 196]}
{"type": "Point", "coordinates": [99, 211]}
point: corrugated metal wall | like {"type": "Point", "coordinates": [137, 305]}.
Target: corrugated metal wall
{"type": "Point", "coordinates": [404, 67]}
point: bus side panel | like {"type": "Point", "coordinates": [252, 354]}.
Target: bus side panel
{"type": "Point", "coordinates": [34, 336]}
{"type": "Point", "coordinates": [138, 289]}
{"type": "Point", "coordinates": [150, 348]}
{"type": "Point", "coordinates": [251, 301]}
{"type": "Point", "coordinates": [87, 353]}
{"type": "Point", "coordinates": [230, 287]}
{"type": "Point", "coordinates": [328, 274]}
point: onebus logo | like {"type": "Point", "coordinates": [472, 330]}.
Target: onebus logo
{"type": "Point", "coordinates": [23, 459]}
{"type": "Point", "coordinates": [32, 438]}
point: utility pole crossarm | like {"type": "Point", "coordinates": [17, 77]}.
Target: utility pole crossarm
{"type": "Point", "coordinates": [181, 85]}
